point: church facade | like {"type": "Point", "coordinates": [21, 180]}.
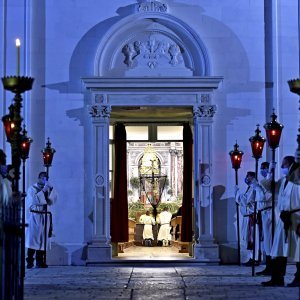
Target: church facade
{"type": "Point", "coordinates": [221, 68]}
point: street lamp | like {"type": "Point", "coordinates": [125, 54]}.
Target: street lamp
{"type": "Point", "coordinates": [273, 132]}
{"type": "Point", "coordinates": [236, 159]}
{"type": "Point", "coordinates": [257, 145]}
{"type": "Point", "coordinates": [48, 153]}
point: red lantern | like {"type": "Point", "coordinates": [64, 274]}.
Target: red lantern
{"type": "Point", "coordinates": [48, 154]}
{"type": "Point", "coordinates": [236, 157]}
{"type": "Point", "coordinates": [8, 123]}
{"type": "Point", "coordinates": [25, 145]}
{"type": "Point", "coordinates": [273, 132]}
{"type": "Point", "coordinates": [257, 143]}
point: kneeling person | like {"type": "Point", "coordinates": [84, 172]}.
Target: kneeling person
{"type": "Point", "coordinates": [148, 222]}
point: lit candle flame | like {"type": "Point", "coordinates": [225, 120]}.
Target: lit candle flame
{"type": "Point", "coordinates": [18, 43]}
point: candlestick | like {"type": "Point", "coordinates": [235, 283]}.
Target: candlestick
{"type": "Point", "coordinates": [18, 45]}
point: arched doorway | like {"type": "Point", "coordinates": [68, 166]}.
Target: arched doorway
{"type": "Point", "coordinates": [150, 59]}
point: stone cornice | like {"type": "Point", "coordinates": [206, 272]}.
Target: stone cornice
{"type": "Point", "coordinates": [152, 83]}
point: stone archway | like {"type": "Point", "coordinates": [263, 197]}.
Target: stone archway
{"type": "Point", "coordinates": [134, 66]}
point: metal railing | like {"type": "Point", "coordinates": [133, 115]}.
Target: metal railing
{"type": "Point", "coordinates": [13, 250]}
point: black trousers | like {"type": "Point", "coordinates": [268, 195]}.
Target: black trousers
{"type": "Point", "coordinates": [279, 268]}
{"type": "Point", "coordinates": [39, 256]}
{"type": "Point", "coordinates": [297, 274]}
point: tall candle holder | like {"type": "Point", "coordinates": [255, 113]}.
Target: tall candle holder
{"type": "Point", "coordinates": [13, 285]}
{"type": "Point", "coordinates": [17, 85]}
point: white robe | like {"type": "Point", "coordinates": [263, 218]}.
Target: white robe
{"type": "Point", "coordinates": [164, 230]}
{"type": "Point", "coordinates": [5, 198]}
{"type": "Point", "coordinates": [266, 216]}
{"type": "Point", "coordinates": [35, 233]}
{"type": "Point", "coordinates": [288, 199]}
{"type": "Point", "coordinates": [148, 222]}
{"type": "Point", "coordinates": [246, 202]}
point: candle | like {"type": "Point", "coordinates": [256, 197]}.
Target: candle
{"type": "Point", "coordinates": [18, 44]}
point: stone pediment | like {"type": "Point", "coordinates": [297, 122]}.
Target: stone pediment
{"type": "Point", "coordinates": [150, 42]}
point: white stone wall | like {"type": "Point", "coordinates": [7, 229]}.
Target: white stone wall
{"type": "Point", "coordinates": [60, 41]}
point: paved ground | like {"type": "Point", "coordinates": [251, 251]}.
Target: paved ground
{"type": "Point", "coordinates": [152, 282]}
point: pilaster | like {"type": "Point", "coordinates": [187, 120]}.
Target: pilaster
{"type": "Point", "coordinates": [204, 247]}
{"type": "Point", "coordinates": [99, 248]}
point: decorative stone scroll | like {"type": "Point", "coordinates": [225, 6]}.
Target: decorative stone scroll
{"type": "Point", "coordinates": [205, 111]}
{"type": "Point", "coordinates": [152, 53]}
{"type": "Point", "coordinates": [205, 180]}
{"type": "Point", "coordinates": [205, 98]}
{"type": "Point", "coordinates": [152, 6]}
{"type": "Point", "coordinates": [99, 111]}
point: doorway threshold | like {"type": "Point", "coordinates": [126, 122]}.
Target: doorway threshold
{"type": "Point", "coordinates": [153, 256]}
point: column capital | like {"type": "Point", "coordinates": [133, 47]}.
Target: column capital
{"type": "Point", "coordinates": [205, 111]}
{"type": "Point", "coordinates": [173, 152]}
{"type": "Point", "coordinates": [98, 111]}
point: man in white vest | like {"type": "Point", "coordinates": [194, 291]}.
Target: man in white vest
{"type": "Point", "coordinates": [164, 235]}
{"type": "Point", "coordinates": [246, 202]}
{"type": "Point", "coordinates": [40, 198]}
{"type": "Point", "coordinates": [286, 243]}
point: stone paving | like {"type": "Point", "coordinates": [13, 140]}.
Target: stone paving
{"type": "Point", "coordinates": [153, 282]}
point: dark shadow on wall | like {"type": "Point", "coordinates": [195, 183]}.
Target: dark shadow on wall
{"type": "Point", "coordinates": [225, 234]}
{"type": "Point", "coordinates": [79, 256]}
{"type": "Point", "coordinates": [219, 209]}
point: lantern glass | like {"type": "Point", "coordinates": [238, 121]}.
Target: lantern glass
{"type": "Point", "coordinates": [25, 147]}
{"type": "Point", "coordinates": [8, 126]}
{"type": "Point", "coordinates": [236, 157]}
{"type": "Point", "coordinates": [48, 154]}
{"type": "Point", "coordinates": [47, 157]}
{"type": "Point", "coordinates": [257, 144]}
{"type": "Point", "coordinates": [273, 132]}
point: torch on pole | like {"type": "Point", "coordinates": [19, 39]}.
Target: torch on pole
{"type": "Point", "coordinates": [257, 145]}
{"type": "Point", "coordinates": [273, 132]}
{"type": "Point", "coordinates": [48, 153]}
{"type": "Point", "coordinates": [236, 159]}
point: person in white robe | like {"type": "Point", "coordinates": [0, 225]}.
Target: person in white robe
{"type": "Point", "coordinates": [246, 200]}
{"type": "Point", "coordinates": [286, 243]}
{"type": "Point", "coordinates": [164, 235]}
{"type": "Point", "coordinates": [40, 198]}
{"type": "Point", "coordinates": [5, 199]}
{"type": "Point", "coordinates": [148, 222]}
{"type": "Point", "coordinates": [264, 207]}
